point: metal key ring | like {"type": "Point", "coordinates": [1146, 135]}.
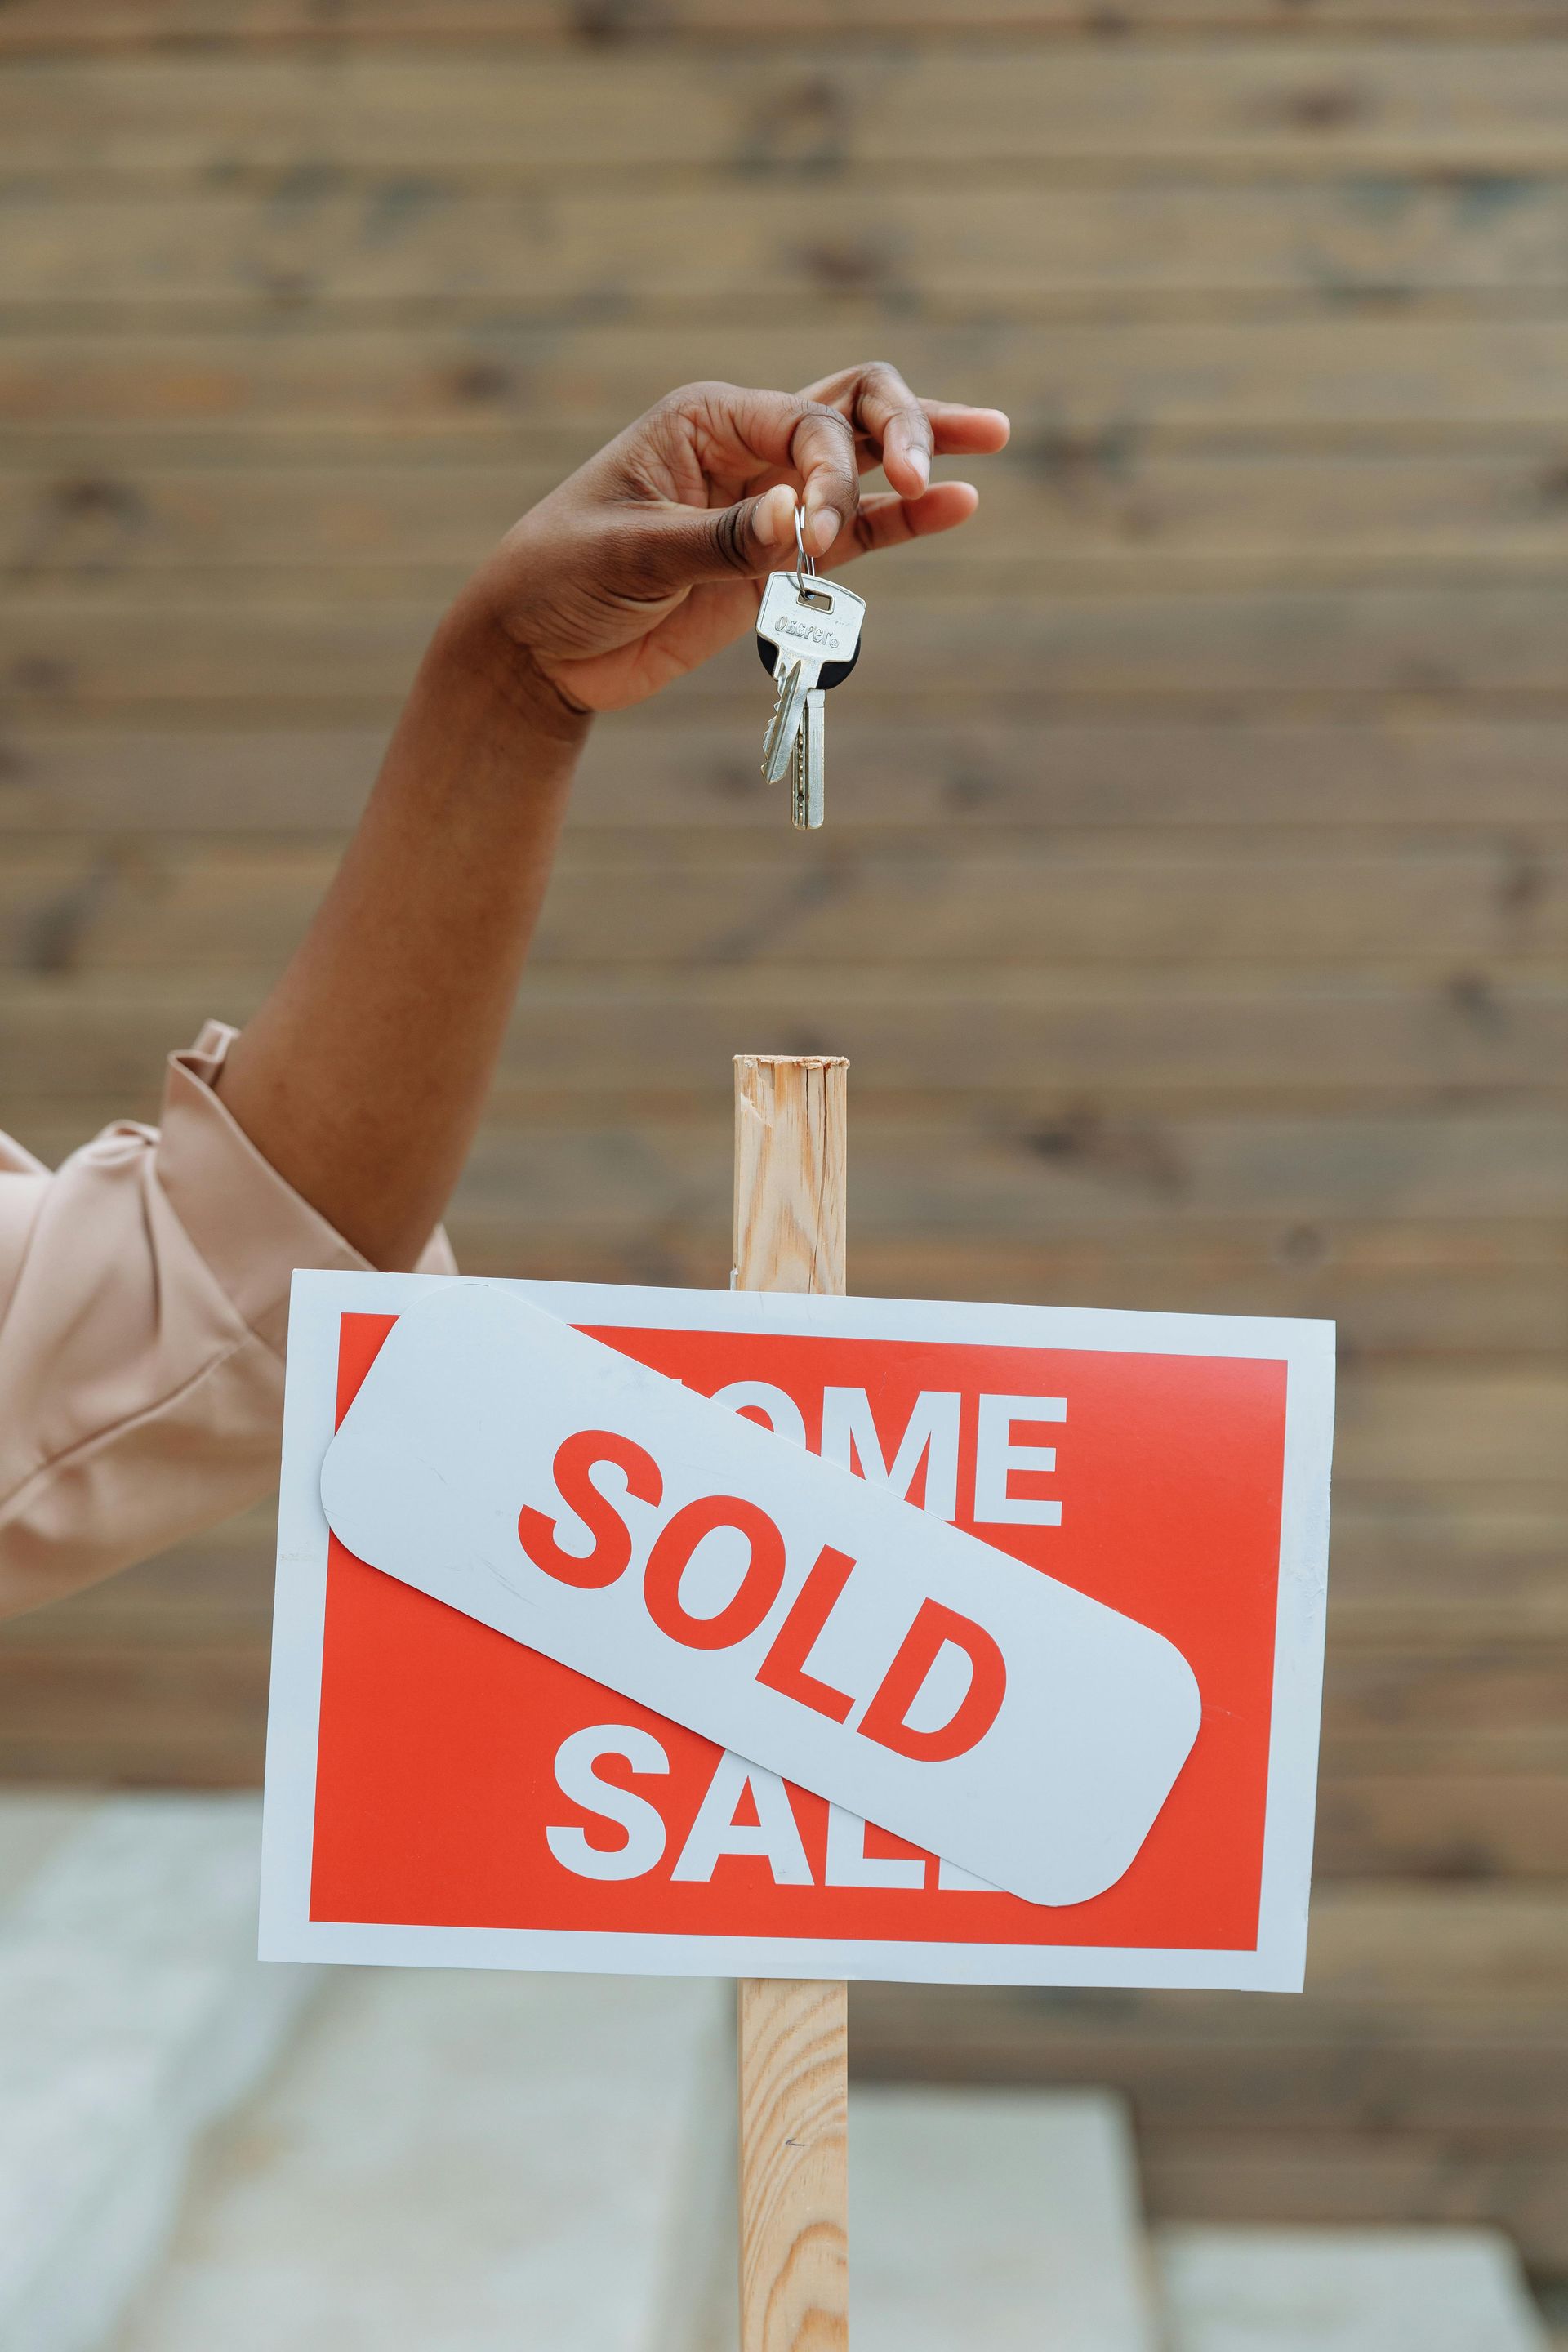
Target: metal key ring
{"type": "Point", "coordinates": [804, 565]}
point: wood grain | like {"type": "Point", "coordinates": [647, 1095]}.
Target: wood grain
{"type": "Point", "coordinates": [447, 383]}
{"type": "Point", "coordinates": [967, 772]}
{"type": "Point", "coordinates": [1393, 2179]}
{"type": "Point", "coordinates": [1193, 901]}
{"type": "Point", "coordinates": [699, 904]}
{"type": "Point", "coordinates": [1091, 511]}
{"type": "Point", "coordinates": [539, 118]}
{"type": "Point", "coordinates": [791, 1142]}
{"type": "Point", "coordinates": [75, 26]}
{"type": "Point", "coordinates": [791, 1172]}
{"type": "Point", "coordinates": [974, 252]}
{"type": "Point", "coordinates": [99, 648]}
{"type": "Point", "coordinates": [1246, 1038]}
{"type": "Point", "coordinates": [795, 2121]}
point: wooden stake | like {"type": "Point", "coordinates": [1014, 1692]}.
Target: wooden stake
{"type": "Point", "coordinates": [790, 1160]}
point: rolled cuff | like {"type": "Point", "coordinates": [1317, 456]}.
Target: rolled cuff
{"type": "Point", "coordinates": [141, 1341]}
{"type": "Point", "coordinates": [250, 1228]}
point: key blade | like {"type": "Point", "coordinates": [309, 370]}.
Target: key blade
{"type": "Point", "coordinates": [811, 762]}
{"type": "Point", "coordinates": [778, 745]}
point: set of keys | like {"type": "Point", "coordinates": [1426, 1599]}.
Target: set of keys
{"type": "Point", "coordinates": [808, 637]}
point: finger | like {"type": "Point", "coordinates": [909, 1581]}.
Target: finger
{"type": "Point", "coordinates": [653, 553]}
{"type": "Point", "coordinates": [961, 431]}
{"type": "Point", "coordinates": [888, 520]}
{"type": "Point", "coordinates": [822, 450]}
{"type": "Point", "coordinates": [882, 410]}
{"type": "Point", "coordinates": [956, 430]}
{"type": "Point", "coordinates": [731, 437]}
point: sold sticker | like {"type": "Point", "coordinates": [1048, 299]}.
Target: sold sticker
{"type": "Point", "coordinates": [786, 1635]}
{"type": "Point", "coordinates": [803, 1618]}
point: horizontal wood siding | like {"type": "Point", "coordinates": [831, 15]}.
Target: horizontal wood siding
{"type": "Point", "coordinates": [1193, 903]}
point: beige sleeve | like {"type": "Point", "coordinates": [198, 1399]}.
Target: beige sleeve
{"type": "Point", "coordinates": [143, 1303]}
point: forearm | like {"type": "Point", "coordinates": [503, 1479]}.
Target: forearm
{"type": "Point", "coordinates": [362, 1078]}
{"type": "Point", "coordinates": [363, 1075]}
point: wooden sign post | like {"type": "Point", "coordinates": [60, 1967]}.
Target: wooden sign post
{"type": "Point", "coordinates": [790, 1166]}
{"type": "Point", "coordinates": [1119, 1521]}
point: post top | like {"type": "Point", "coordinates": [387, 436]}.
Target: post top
{"type": "Point", "coordinates": [797, 1061]}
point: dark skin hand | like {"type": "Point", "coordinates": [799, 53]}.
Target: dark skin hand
{"type": "Point", "coordinates": [363, 1075]}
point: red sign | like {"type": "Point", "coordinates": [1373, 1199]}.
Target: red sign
{"type": "Point", "coordinates": [470, 1799]}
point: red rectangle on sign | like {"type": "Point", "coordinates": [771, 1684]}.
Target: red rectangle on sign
{"type": "Point", "coordinates": [465, 1782]}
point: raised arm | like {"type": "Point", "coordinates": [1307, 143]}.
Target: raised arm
{"type": "Point", "coordinates": [145, 1284]}
{"type": "Point", "coordinates": [363, 1075]}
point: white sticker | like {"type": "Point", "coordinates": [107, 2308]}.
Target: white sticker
{"type": "Point", "coordinates": [805, 1619]}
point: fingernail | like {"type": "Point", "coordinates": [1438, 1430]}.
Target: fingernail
{"type": "Point", "coordinates": [765, 522]}
{"type": "Point", "coordinates": [825, 526]}
{"type": "Point", "coordinates": [920, 461]}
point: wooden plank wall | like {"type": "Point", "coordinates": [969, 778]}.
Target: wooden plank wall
{"type": "Point", "coordinates": [1192, 904]}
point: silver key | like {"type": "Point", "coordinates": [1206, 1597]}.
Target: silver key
{"type": "Point", "coordinates": [811, 631]}
{"type": "Point", "coordinates": [810, 765]}
{"type": "Point", "coordinates": [811, 622]}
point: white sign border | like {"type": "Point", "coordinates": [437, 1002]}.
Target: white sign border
{"type": "Point", "coordinates": [1276, 1964]}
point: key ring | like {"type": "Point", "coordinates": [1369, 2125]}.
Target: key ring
{"type": "Point", "coordinates": [804, 565]}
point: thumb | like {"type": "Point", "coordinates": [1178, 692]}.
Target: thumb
{"type": "Point", "coordinates": [679, 547]}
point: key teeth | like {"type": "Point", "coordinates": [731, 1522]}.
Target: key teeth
{"type": "Point", "coordinates": [766, 760]}
{"type": "Point", "coordinates": [765, 765]}
{"type": "Point", "coordinates": [776, 750]}
{"type": "Point", "coordinates": [809, 751]}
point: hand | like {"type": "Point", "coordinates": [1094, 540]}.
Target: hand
{"type": "Point", "coordinates": [650, 558]}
